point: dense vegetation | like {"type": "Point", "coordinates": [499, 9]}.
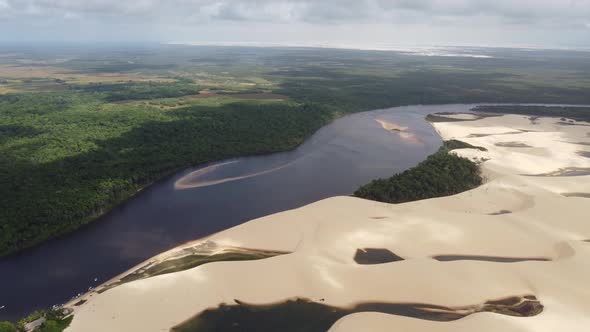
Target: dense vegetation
{"type": "Point", "coordinates": [68, 157]}
{"type": "Point", "coordinates": [441, 174]}
{"type": "Point", "coordinates": [7, 327]}
{"type": "Point", "coordinates": [80, 135]}
{"type": "Point", "coordinates": [137, 91]}
{"type": "Point", "coordinates": [576, 113]}
{"type": "Point", "coordinates": [54, 322]}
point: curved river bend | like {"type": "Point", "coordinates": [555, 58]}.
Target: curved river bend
{"type": "Point", "coordinates": [200, 201]}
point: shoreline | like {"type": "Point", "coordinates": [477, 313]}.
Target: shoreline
{"type": "Point", "coordinates": [92, 219]}
{"type": "Point", "coordinates": [344, 228]}
{"type": "Point", "coordinates": [203, 240]}
{"type": "Point", "coordinates": [109, 276]}
{"type": "Point", "coordinates": [165, 176]}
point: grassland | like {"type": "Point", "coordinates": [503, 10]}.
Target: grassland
{"type": "Point", "coordinates": [83, 130]}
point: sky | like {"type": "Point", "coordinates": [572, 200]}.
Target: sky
{"type": "Point", "coordinates": [332, 23]}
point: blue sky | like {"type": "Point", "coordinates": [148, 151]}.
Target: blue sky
{"type": "Point", "coordinates": [348, 23]}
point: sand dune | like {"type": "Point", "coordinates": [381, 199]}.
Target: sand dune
{"type": "Point", "coordinates": [537, 220]}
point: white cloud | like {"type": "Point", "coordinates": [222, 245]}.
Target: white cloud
{"type": "Point", "coordinates": [535, 20]}
{"type": "Point", "coordinates": [314, 10]}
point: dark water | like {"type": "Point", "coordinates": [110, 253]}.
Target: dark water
{"type": "Point", "coordinates": [335, 161]}
{"type": "Point", "coordinates": [306, 315]}
{"type": "Point", "coordinates": [371, 256]}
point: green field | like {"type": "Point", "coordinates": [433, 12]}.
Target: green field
{"type": "Point", "coordinates": [83, 130]}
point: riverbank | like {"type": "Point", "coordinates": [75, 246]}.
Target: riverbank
{"type": "Point", "coordinates": [65, 188]}
{"type": "Point", "coordinates": [354, 148]}
{"type": "Point", "coordinates": [516, 235]}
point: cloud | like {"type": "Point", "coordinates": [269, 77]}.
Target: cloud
{"type": "Point", "coordinates": [307, 10]}
{"type": "Point", "coordinates": [494, 17]}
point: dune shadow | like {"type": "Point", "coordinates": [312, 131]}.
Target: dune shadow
{"type": "Point", "coordinates": [496, 259]}
{"type": "Point", "coordinates": [370, 256]}
{"type": "Point", "coordinates": [501, 212]}
{"type": "Point", "coordinates": [512, 145]}
{"type": "Point", "coordinates": [496, 134]}
{"type": "Point", "coordinates": [568, 171]}
{"type": "Point", "coordinates": [303, 315]}
{"type": "Point", "coordinates": [582, 195]}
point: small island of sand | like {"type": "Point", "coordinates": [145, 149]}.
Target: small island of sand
{"type": "Point", "coordinates": [403, 132]}
{"type": "Point", "coordinates": [391, 126]}
{"type": "Point", "coordinates": [511, 255]}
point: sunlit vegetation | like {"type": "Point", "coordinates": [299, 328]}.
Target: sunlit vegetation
{"type": "Point", "coordinates": [441, 174]}
{"type": "Point", "coordinates": [56, 325]}
{"type": "Point", "coordinates": [135, 91]}
{"type": "Point", "coordinates": [7, 327]}
{"type": "Point", "coordinates": [67, 158]}
{"type": "Point", "coordinates": [83, 130]}
{"type": "Point", "coordinates": [50, 321]}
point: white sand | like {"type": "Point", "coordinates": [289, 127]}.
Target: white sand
{"type": "Point", "coordinates": [323, 238]}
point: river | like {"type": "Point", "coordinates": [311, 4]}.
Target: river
{"type": "Point", "coordinates": [336, 160]}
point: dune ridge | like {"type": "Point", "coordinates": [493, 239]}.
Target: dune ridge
{"type": "Point", "coordinates": [321, 240]}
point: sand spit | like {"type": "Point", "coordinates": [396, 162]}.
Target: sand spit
{"type": "Point", "coordinates": [403, 132]}
{"type": "Point", "coordinates": [539, 249]}
{"type": "Point", "coordinates": [193, 179]}
{"type": "Point", "coordinates": [391, 126]}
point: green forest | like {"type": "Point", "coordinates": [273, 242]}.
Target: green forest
{"type": "Point", "coordinates": [83, 130]}
{"type": "Point", "coordinates": [54, 322]}
{"type": "Point", "coordinates": [69, 157]}
{"type": "Point", "coordinates": [441, 174]}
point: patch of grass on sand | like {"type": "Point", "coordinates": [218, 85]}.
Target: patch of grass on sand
{"type": "Point", "coordinates": [56, 325]}
{"type": "Point", "coordinates": [55, 321]}
{"type": "Point", "coordinates": [454, 144]}
{"type": "Point", "coordinates": [192, 261]}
